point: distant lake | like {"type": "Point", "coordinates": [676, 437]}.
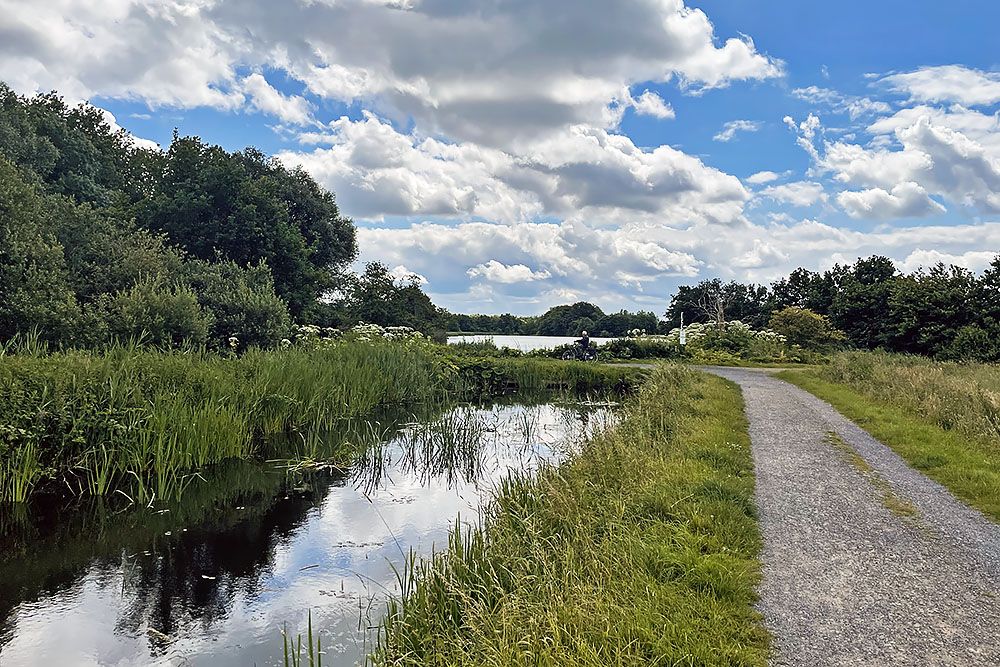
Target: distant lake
{"type": "Point", "coordinates": [523, 343]}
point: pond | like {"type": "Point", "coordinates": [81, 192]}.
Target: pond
{"type": "Point", "coordinates": [255, 545]}
{"type": "Point", "coordinates": [522, 343]}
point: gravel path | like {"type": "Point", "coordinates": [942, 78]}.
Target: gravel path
{"type": "Point", "coordinates": [866, 561]}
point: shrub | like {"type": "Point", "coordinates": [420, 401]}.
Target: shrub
{"type": "Point", "coordinates": [159, 314]}
{"type": "Point", "coordinates": [803, 327]}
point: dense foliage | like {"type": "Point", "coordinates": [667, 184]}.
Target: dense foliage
{"type": "Point", "coordinates": [944, 311]}
{"type": "Point", "coordinates": [103, 241]}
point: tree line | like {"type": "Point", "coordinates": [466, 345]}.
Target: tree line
{"type": "Point", "coordinates": [566, 320]}
{"type": "Point", "coordinates": [947, 312]}
{"type": "Point", "coordinates": [103, 241]}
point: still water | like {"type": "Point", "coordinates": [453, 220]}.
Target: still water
{"type": "Point", "coordinates": [522, 343]}
{"type": "Point", "coordinates": [212, 580]}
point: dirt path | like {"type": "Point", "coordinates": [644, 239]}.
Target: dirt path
{"type": "Point", "coordinates": [866, 561]}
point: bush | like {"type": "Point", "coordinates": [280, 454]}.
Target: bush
{"type": "Point", "coordinates": [158, 314]}
{"type": "Point", "coordinates": [803, 327]}
{"type": "Point", "coordinates": [242, 303]}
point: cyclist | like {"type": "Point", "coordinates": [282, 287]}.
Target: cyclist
{"type": "Point", "coordinates": [584, 342]}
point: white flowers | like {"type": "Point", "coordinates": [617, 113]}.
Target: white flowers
{"type": "Point", "coordinates": [310, 335]}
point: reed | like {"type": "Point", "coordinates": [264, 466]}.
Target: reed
{"type": "Point", "coordinates": [141, 421]}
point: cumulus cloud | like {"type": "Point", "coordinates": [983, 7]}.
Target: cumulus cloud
{"type": "Point", "coordinates": [800, 193]}
{"type": "Point", "coordinates": [651, 104]}
{"type": "Point", "coordinates": [974, 260]}
{"type": "Point", "coordinates": [498, 272]}
{"type": "Point", "coordinates": [939, 159]}
{"type": "Point", "coordinates": [762, 177]}
{"type": "Point", "coordinates": [947, 83]}
{"type": "Point", "coordinates": [265, 98]}
{"type": "Point", "coordinates": [729, 130]}
{"type": "Point", "coordinates": [906, 200]}
{"type": "Point", "coordinates": [563, 61]}
{"type": "Point", "coordinates": [377, 170]}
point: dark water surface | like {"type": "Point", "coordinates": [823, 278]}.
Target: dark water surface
{"type": "Point", "coordinates": [252, 547]}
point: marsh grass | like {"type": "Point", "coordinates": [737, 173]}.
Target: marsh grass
{"type": "Point", "coordinates": [943, 418]}
{"type": "Point", "coordinates": [141, 422]}
{"type": "Point", "coordinates": [487, 377]}
{"type": "Point", "coordinates": [641, 550]}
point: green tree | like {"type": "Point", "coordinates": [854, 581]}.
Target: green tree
{"type": "Point", "coordinates": [249, 208]}
{"type": "Point", "coordinates": [35, 289]}
{"type": "Point", "coordinates": [860, 306]}
{"type": "Point", "coordinates": [803, 327]}
{"type": "Point", "coordinates": [157, 313]}
{"type": "Point", "coordinates": [929, 307]}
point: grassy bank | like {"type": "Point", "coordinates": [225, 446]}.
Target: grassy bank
{"type": "Point", "coordinates": [639, 551]}
{"type": "Point", "coordinates": [943, 418]}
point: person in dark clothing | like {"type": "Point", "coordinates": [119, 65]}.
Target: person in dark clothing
{"type": "Point", "coordinates": [584, 341]}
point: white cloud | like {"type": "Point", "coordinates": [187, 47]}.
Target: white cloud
{"type": "Point", "coordinates": [948, 83]}
{"type": "Point", "coordinates": [939, 159]}
{"type": "Point", "coordinates": [265, 98]}
{"type": "Point", "coordinates": [469, 69]}
{"type": "Point", "coordinates": [840, 103]}
{"type": "Point", "coordinates": [800, 193]}
{"type": "Point", "coordinates": [729, 130]}
{"type": "Point", "coordinates": [376, 170]}
{"type": "Point", "coordinates": [498, 272]}
{"type": "Point", "coordinates": [762, 177]}
{"type": "Point", "coordinates": [651, 104]}
{"type": "Point", "coordinates": [138, 142]}
{"type": "Point", "coordinates": [403, 274]}
{"type": "Point", "coordinates": [974, 260]}
{"type": "Point", "coordinates": [906, 200]}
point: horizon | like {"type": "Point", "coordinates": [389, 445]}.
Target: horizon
{"type": "Point", "coordinates": [555, 153]}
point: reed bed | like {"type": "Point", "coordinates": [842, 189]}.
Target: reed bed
{"type": "Point", "coordinates": [140, 422]}
{"type": "Point", "coordinates": [641, 550]}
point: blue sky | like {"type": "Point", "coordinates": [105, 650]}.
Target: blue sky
{"type": "Point", "coordinates": [516, 154]}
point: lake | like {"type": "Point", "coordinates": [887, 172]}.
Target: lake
{"type": "Point", "coordinates": [256, 545]}
{"type": "Point", "coordinates": [522, 343]}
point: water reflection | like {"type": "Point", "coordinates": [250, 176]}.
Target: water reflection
{"type": "Point", "coordinates": [213, 579]}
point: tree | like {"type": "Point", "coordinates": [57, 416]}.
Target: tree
{"type": "Point", "coordinates": [860, 306]}
{"type": "Point", "coordinates": [715, 301]}
{"type": "Point", "coordinates": [35, 289]}
{"type": "Point", "coordinates": [246, 209]}
{"type": "Point", "coordinates": [929, 307]}
{"type": "Point", "coordinates": [803, 327]}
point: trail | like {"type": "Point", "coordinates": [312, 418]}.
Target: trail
{"type": "Point", "coordinates": [866, 561]}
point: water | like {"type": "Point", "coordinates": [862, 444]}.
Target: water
{"type": "Point", "coordinates": [211, 581]}
{"type": "Point", "coordinates": [523, 343]}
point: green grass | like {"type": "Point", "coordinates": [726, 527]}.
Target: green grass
{"type": "Point", "coordinates": [944, 419]}
{"type": "Point", "coordinates": [494, 376]}
{"type": "Point", "coordinates": [642, 550]}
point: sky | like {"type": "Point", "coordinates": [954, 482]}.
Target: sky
{"type": "Point", "coordinates": [517, 154]}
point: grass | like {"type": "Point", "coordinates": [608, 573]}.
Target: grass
{"type": "Point", "coordinates": [642, 550]}
{"type": "Point", "coordinates": [943, 418]}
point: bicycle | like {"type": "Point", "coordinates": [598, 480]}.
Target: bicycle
{"type": "Point", "coordinates": [576, 353]}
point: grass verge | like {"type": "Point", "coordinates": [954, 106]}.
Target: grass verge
{"type": "Point", "coordinates": [641, 550]}
{"type": "Point", "coordinates": [903, 407]}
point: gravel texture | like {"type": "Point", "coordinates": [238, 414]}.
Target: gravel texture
{"type": "Point", "coordinates": [866, 561]}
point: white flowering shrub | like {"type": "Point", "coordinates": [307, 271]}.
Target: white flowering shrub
{"type": "Point", "coordinates": [314, 337]}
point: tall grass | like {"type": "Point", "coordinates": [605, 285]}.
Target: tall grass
{"type": "Point", "coordinates": [960, 397]}
{"type": "Point", "coordinates": [639, 551]}
{"type": "Point", "coordinates": [140, 421]}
